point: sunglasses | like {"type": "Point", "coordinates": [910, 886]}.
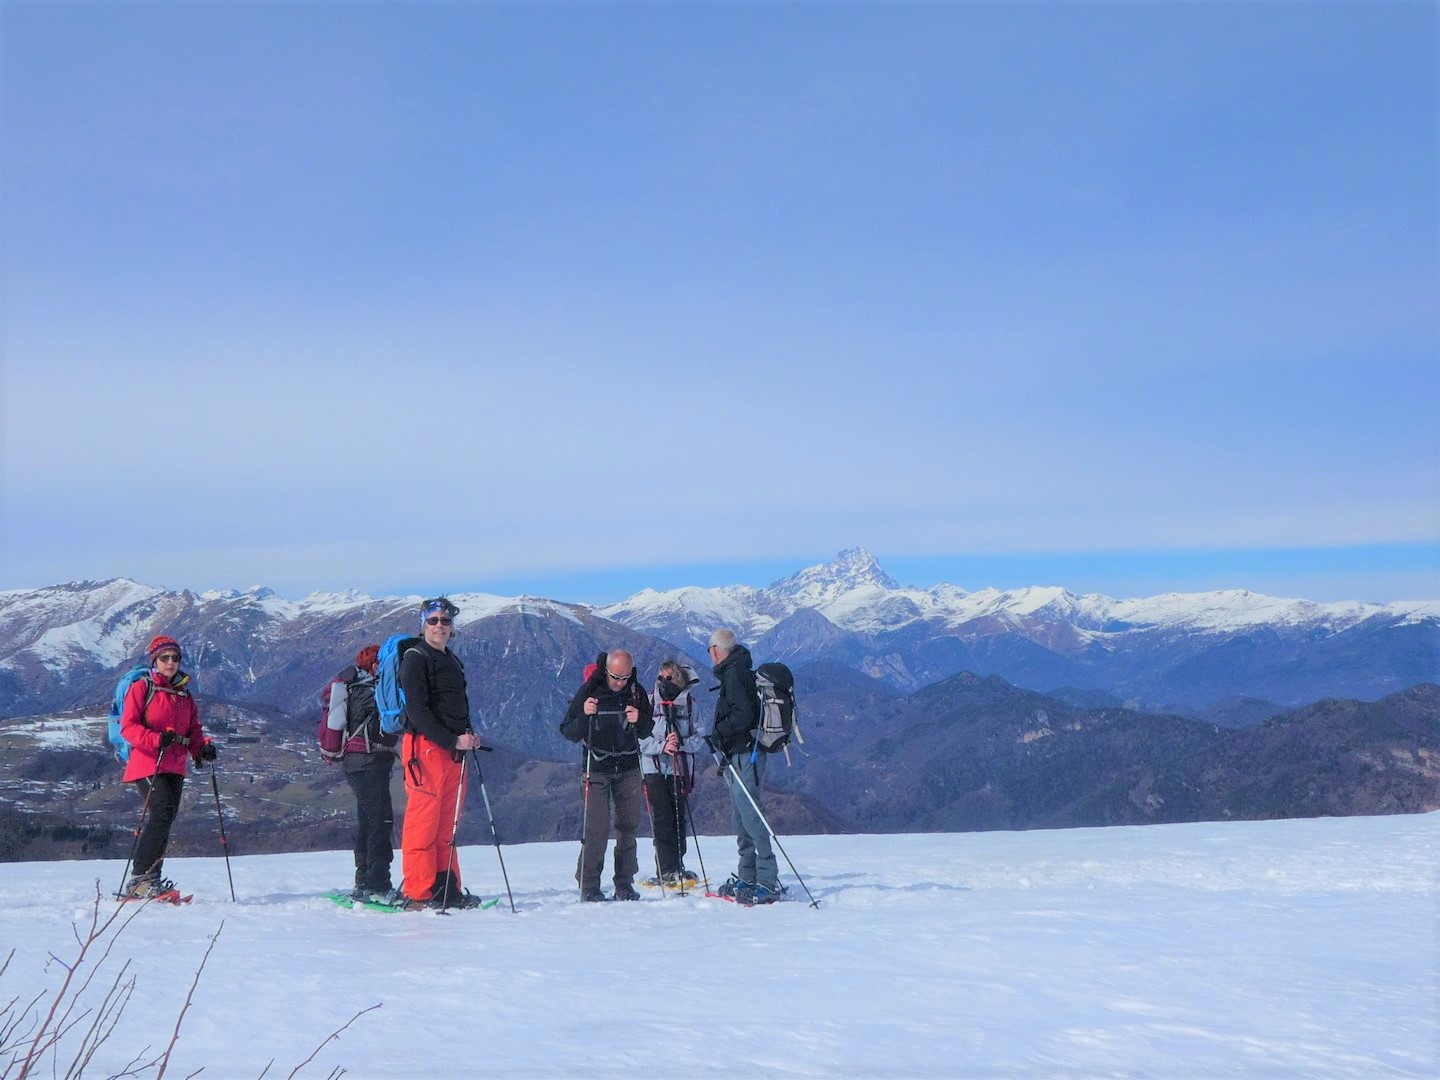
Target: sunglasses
{"type": "Point", "coordinates": [439, 620]}
{"type": "Point", "coordinates": [168, 658]}
{"type": "Point", "coordinates": [617, 678]}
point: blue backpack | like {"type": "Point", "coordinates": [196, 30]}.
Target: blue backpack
{"type": "Point", "coordinates": [117, 707]}
{"type": "Point", "coordinates": [389, 698]}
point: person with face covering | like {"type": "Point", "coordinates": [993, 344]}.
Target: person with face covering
{"type": "Point", "coordinates": [608, 716]}
{"type": "Point", "coordinates": [162, 726]}
{"type": "Point", "coordinates": [667, 763]}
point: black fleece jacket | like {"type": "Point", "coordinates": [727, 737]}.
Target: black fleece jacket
{"type": "Point", "coordinates": [436, 704]}
{"type": "Point", "coordinates": [736, 712]}
{"type": "Point", "coordinates": [615, 743]}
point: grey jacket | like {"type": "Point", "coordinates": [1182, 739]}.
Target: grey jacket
{"type": "Point", "coordinates": [684, 711]}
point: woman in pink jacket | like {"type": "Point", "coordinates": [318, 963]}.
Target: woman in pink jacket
{"type": "Point", "coordinates": [162, 726]}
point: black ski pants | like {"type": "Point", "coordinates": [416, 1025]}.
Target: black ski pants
{"type": "Point", "coordinates": [667, 809]}
{"type": "Point", "coordinates": [375, 823]}
{"type": "Point", "coordinates": [159, 816]}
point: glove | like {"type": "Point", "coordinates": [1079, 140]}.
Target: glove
{"type": "Point", "coordinates": [166, 738]}
{"type": "Point", "coordinates": [207, 751]}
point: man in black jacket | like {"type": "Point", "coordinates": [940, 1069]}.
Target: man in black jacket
{"type": "Point", "coordinates": [737, 715]}
{"type": "Point", "coordinates": [608, 716]}
{"type": "Point", "coordinates": [437, 735]}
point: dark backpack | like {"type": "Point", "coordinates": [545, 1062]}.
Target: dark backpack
{"type": "Point", "coordinates": [344, 695]}
{"type": "Point", "coordinates": [117, 708]}
{"type": "Point", "coordinates": [775, 691]}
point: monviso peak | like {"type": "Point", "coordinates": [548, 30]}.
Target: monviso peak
{"type": "Point", "coordinates": [852, 569]}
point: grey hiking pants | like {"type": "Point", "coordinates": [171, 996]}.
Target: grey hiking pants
{"type": "Point", "coordinates": [757, 858]}
{"type": "Point", "coordinates": [623, 792]}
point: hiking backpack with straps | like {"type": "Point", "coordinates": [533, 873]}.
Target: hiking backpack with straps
{"type": "Point", "coordinates": [335, 732]}
{"type": "Point", "coordinates": [117, 709]}
{"type": "Point", "coordinates": [389, 698]}
{"type": "Point", "coordinates": [775, 690]}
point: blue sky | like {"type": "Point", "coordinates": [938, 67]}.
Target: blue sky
{"type": "Point", "coordinates": [573, 298]}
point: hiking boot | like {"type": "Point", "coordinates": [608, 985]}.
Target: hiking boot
{"type": "Point", "coordinates": [766, 894]}
{"type": "Point", "coordinates": [464, 900]}
{"type": "Point", "coordinates": [411, 904]}
{"type": "Point", "coordinates": [593, 896]}
{"type": "Point", "coordinates": [444, 880]}
{"type": "Point", "coordinates": [625, 892]}
{"type": "Point", "coordinates": [144, 888]}
{"type": "Point", "coordinates": [392, 897]}
{"type": "Point", "coordinates": [733, 885]}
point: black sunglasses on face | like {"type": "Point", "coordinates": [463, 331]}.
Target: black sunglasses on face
{"type": "Point", "coordinates": [438, 620]}
{"type": "Point", "coordinates": [168, 658]}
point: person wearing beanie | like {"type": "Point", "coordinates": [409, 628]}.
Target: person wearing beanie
{"type": "Point", "coordinates": [162, 725]}
{"type": "Point", "coordinates": [432, 750]}
{"type": "Point", "coordinates": [351, 730]}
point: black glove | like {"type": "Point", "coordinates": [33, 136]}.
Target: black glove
{"type": "Point", "coordinates": [207, 751]}
{"type": "Point", "coordinates": [166, 738]}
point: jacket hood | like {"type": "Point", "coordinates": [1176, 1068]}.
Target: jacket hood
{"type": "Point", "coordinates": [739, 657]}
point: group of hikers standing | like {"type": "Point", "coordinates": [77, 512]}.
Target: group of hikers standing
{"type": "Point", "coordinates": [638, 752]}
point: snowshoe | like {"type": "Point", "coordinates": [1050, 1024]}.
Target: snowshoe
{"type": "Point", "coordinates": [760, 894]}
{"type": "Point", "coordinates": [162, 890]}
{"type": "Point", "coordinates": [672, 882]}
{"type": "Point", "coordinates": [370, 901]}
{"type": "Point", "coordinates": [732, 885]}
{"type": "Point", "coordinates": [465, 901]}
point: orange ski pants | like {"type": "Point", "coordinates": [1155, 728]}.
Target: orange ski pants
{"type": "Point", "coordinates": [434, 787]}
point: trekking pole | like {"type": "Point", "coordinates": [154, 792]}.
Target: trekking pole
{"type": "Point", "coordinates": [704, 877]}
{"type": "Point", "coordinates": [585, 801]}
{"type": "Point", "coordinates": [727, 763]}
{"type": "Point", "coordinates": [654, 842]}
{"type": "Point", "coordinates": [676, 787]}
{"type": "Point", "coordinates": [677, 795]}
{"type": "Point", "coordinates": [224, 842]}
{"type": "Point", "coordinates": [480, 777]}
{"type": "Point", "coordinates": [139, 825]}
{"type": "Point", "coordinates": [451, 859]}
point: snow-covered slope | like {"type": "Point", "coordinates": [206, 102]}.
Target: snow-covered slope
{"type": "Point", "coordinates": [1254, 950]}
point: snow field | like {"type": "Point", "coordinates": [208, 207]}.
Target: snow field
{"type": "Point", "coordinates": [1257, 949]}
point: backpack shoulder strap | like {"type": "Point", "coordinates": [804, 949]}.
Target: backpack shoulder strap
{"type": "Point", "coordinates": [150, 689]}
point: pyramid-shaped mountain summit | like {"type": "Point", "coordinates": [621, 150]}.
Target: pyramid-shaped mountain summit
{"type": "Point", "coordinates": [816, 586]}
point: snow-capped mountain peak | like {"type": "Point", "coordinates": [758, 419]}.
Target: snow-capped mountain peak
{"type": "Point", "coordinates": [817, 586]}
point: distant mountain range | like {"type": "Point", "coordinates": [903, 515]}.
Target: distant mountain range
{"type": "Point", "coordinates": [923, 709]}
{"type": "Point", "coordinates": [1199, 654]}
{"type": "Point", "coordinates": [1177, 652]}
